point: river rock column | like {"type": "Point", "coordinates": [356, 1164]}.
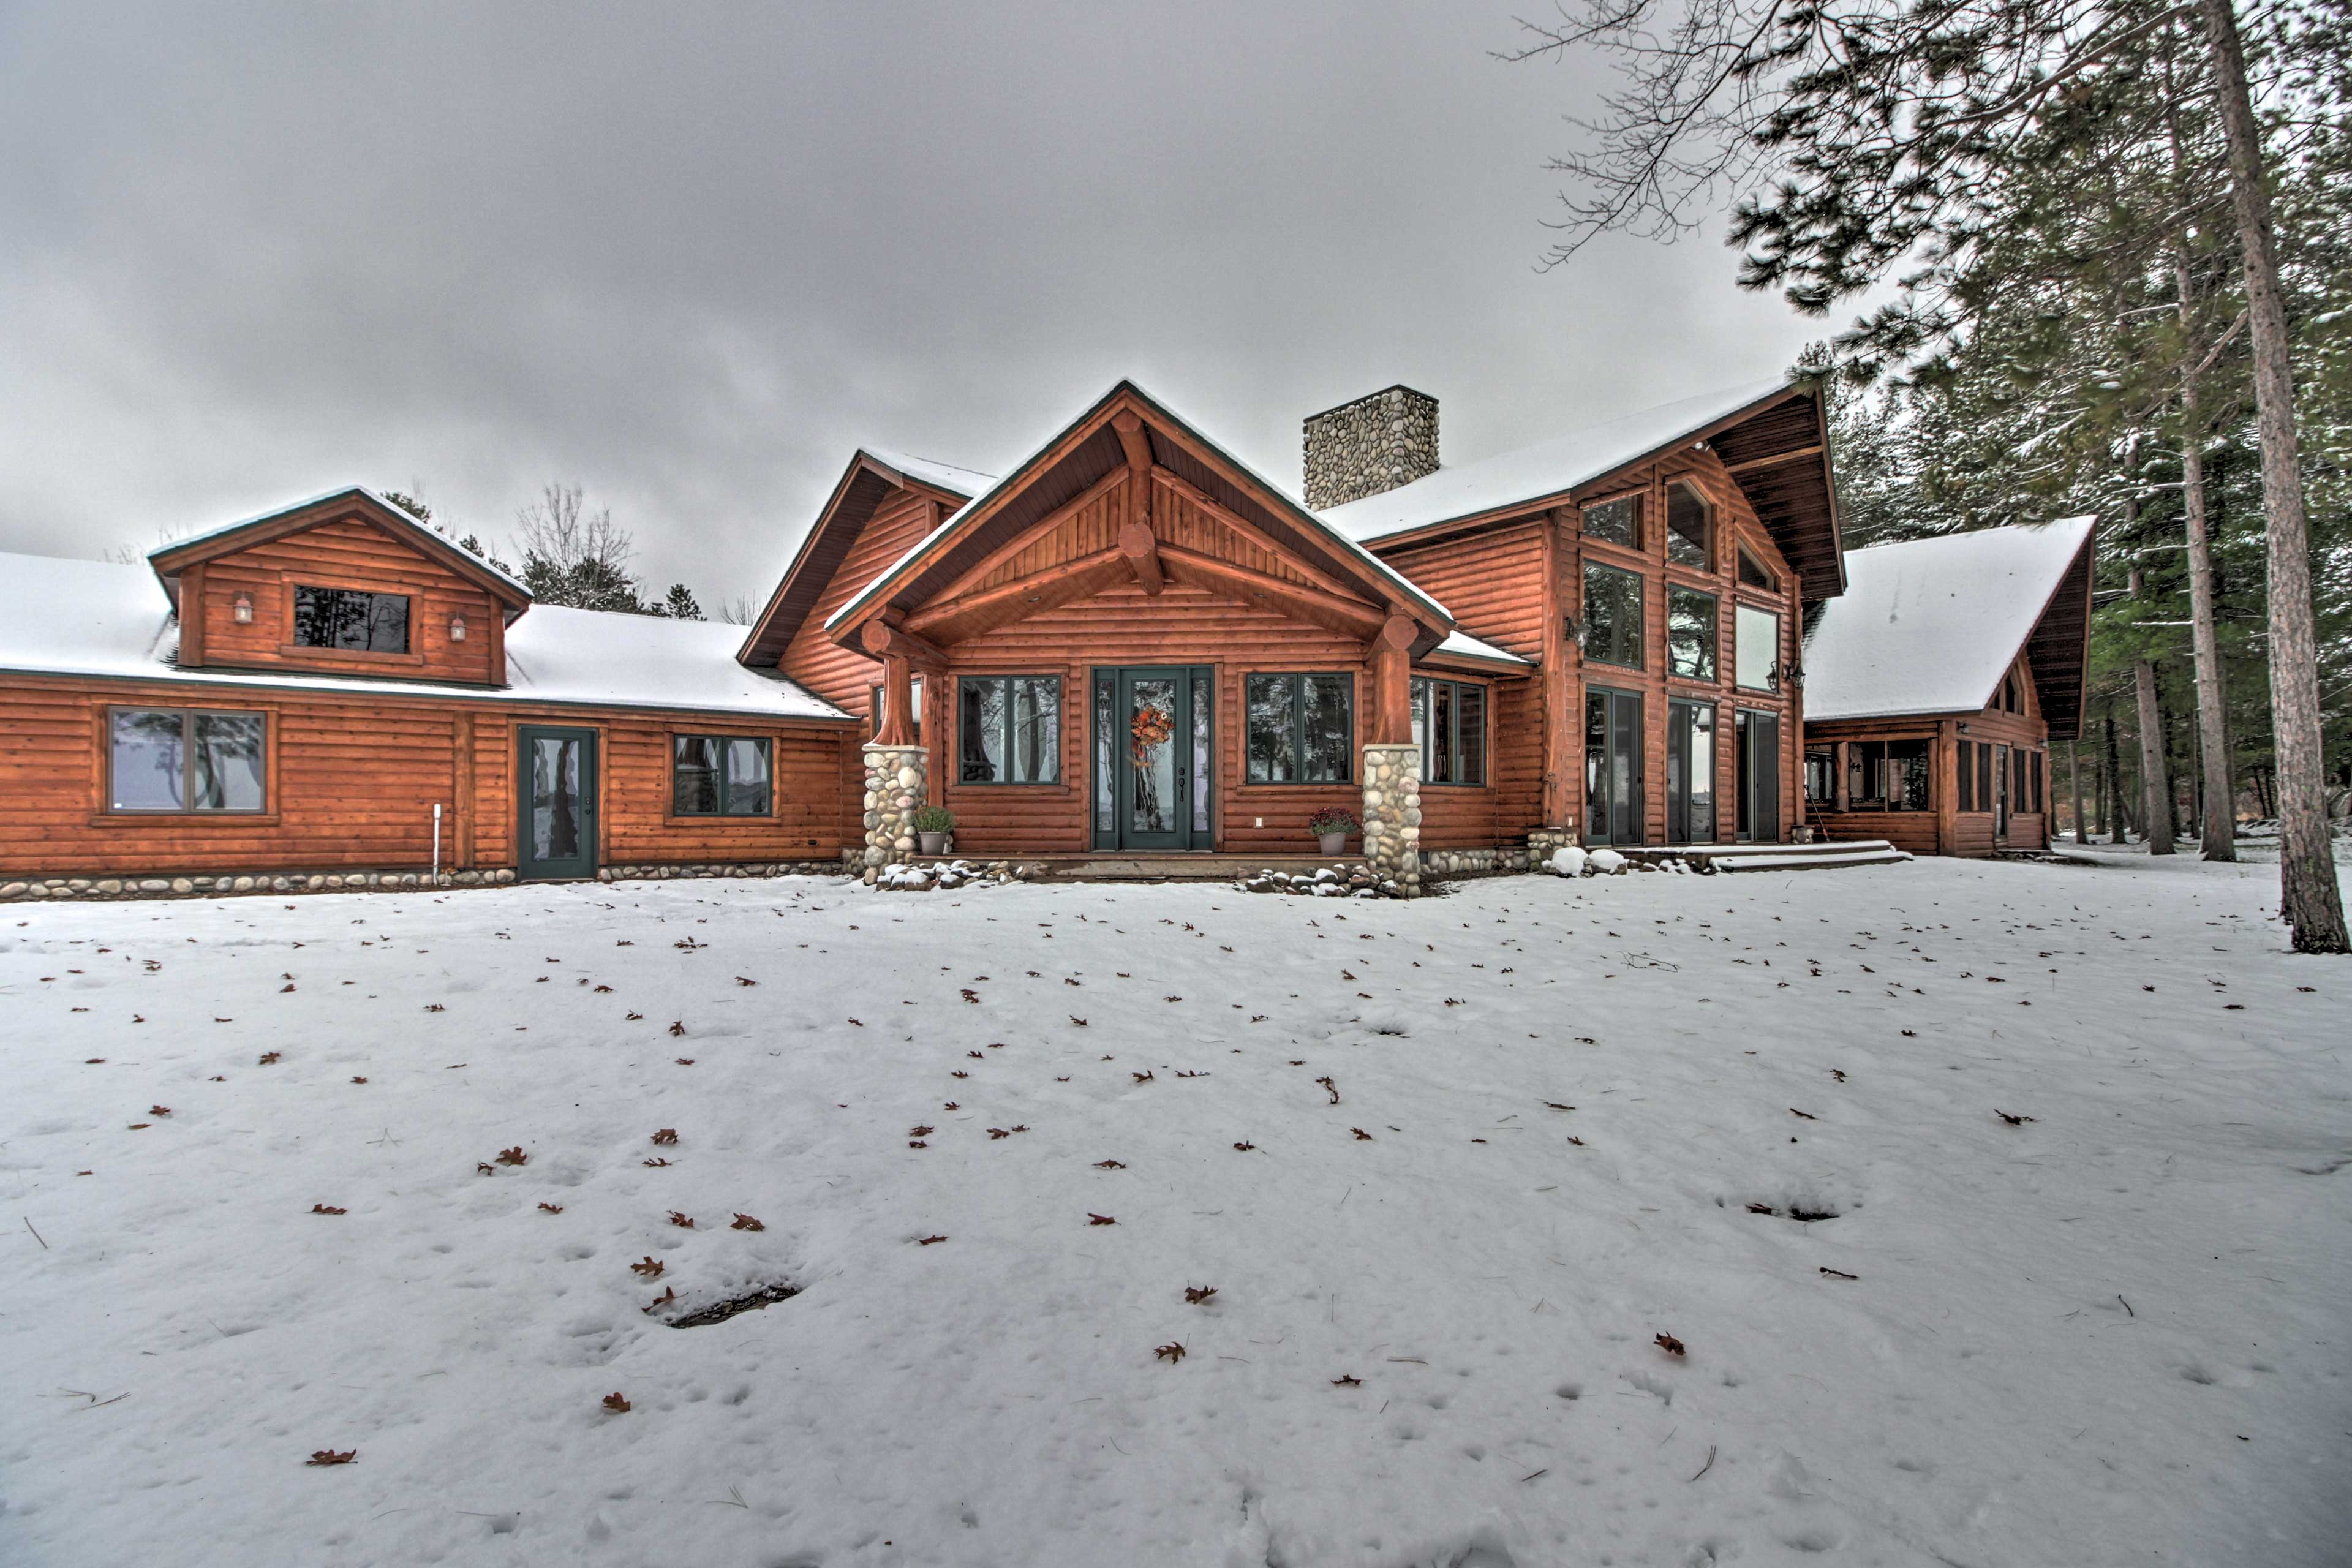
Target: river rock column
{"type": "Point", "coordinates": [895, 786]}
{"type": "Point", "coordinates": [1393, 814]}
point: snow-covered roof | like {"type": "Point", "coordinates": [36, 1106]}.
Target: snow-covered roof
{"type": "Point", "coordinates": [930, 471]}
{"type": "Point", "coordinates": [1549, 468]}
{"type": "Point", "coordinates": [397, 514]}
{"type": "Point", "coordinates": [1931, 625]}
{"type": "Point", "coordinates": [1340, 540]}
{"type": "Point", "coordinates": [92, 617]}
{"type": "Point", "coordinates": [1462, 645]}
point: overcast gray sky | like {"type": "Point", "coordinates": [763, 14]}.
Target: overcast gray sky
{"type": "Point", "coordinates": [689, 257]}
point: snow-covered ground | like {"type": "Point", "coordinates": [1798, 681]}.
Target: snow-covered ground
{"type": "Point", "coordinates": [1451, 1168]}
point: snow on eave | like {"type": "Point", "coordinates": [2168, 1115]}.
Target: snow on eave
{"type": "Point", "coordinates": [1463, 648]}
{"type": "Point", "coordinates": [96, 620]}
{"type": "Point", "coordinates": [400, 514]}
{"type": "Point", "coordinates": [1547, 471]}
{"type": "Point", "coordinates": [1931, 625]}
{"type": "Point", "coordinates": [1350, 548]}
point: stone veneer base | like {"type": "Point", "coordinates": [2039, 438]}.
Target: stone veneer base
{"type": "Point", "coordinates": [897, 786]}
{"type": "Point", "coordinates": [27, 890]}
{"type": "Point", "coordinates": [1393, 814]}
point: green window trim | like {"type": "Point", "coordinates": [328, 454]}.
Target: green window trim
{"type": "Point", "coordinates": [210, 762]}
{"type": "Point", "coordinates": [1449, 725]}
{"type": "Point", "coordinates": [721, 775]}
{"type": "Point", "coordinates": [1280, 740]}
{"type": "Point", "coordinates": [1020, 717]}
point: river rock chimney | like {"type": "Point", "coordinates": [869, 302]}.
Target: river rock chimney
{"type": "Point", "coordinates": [1370, 445]}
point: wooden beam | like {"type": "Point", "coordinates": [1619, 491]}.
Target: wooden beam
{"type": "Point", "coordinates": [1132, 438]}
{"type": "Point", "coordinates": [1258, 536]}
{"type": "Point", "coordinates": [1348, 618]}
{"type": "Point", "coordinates": [884, 641]}
{"type": "Point", "coordinates": [192, 617]}
{"type": "Point", "coordinates": [1030, 535]}
{"type": "Point", "coordinates": [1389, 652]}
{"type": "Point", "coordinates": [1790, 456]}
{"type": "Point", "coordinates": [1055, 585]}
{"type": "Point", "coordinates": [898, 695]}
{"type": "Point", "coordinates": [1139, 547]}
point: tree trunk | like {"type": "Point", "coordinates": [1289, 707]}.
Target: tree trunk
{"type": "Point", "coordinates": [2118, 818]}
{"type": "Point", "coordinates": [2154, 778]}
{"type": "Point", "coordinates": [2074, 782]}
{"type": "Point", "coordinates": [2309, 899]}
{"type": "Point", "coordinates": [2217, 832]}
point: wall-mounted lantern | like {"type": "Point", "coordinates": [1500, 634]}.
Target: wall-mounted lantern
{"type": "Point", "coordinates": [243, 609]}
{"type": "Point", "coordinates": [457, 626]}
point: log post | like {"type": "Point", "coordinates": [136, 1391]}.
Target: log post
{"type": "Point", "coordinates": [1392, 716]}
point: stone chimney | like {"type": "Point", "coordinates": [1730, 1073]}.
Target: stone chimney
{"type": "Point", "coordinates": [1370, 445]}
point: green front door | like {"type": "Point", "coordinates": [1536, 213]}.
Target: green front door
{"type": "Point", "coordinates": [555, 801]}
{"type": "Point", "coordinates": [1162, 751]}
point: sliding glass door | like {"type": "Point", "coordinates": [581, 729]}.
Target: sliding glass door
{"type": "Point", "coordinates": [1612, 766]}
{"type": "Point", "coordinates": [1690, 772]}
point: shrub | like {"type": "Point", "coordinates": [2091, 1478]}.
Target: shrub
{"type": "Point", "coordinates": [1332, 819]}
{"type": "Point", "coordinates": [934, 819]}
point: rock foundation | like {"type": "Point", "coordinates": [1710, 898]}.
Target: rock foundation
{"type": "Point", "coordinates": [1473, 862]}
{"type": "Point", "coordinates": [897, 784]}
{"type": "Point", "coordinates": [1393, 816]}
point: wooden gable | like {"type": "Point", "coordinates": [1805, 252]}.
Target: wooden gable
{"type": "Point", "coordinates": [237, 589]}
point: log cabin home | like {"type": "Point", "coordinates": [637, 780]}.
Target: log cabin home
{"type": "Point", "coordinates": [1940, 679]}
{"type": "Point", "coordinates": [1129, 645]}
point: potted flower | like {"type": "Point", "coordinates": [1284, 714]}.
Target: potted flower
{"type": "Point", "coordinates": [932, 826]}
{"type": "Point", "coordinates": [1332, 826]}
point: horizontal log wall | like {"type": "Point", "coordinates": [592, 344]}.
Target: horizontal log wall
{"type": "Point", "coordinates": [344, 554]}
{"type": "Point", "coordinates": [353, 781]}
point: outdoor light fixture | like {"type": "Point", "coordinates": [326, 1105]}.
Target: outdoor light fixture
{"type": "Point", "coordinates": [1574, 629]}
{"type": "Point", "coordinates": [243, 609]}
{"type": "Point", "coordinates": [457, 627]}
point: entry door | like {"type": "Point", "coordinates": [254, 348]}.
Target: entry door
{"type": "Point", "coordinates": [555, 836]}
{"type": "Point", "coordinates": [1759, 778]}
{"type": "Point", "coordinates": [1690, 772]}
{"type": "Point", "coordinates": [2001, 794]}
{"type": "Point", "coordinates": [1612, 766]}
{"type": "Point", "coordinates": [1165, 772]}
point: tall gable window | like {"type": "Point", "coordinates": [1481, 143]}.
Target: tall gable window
{"type": "Point", "coordinates": [1613, 615]}
{"type": "Point", "coordinates": [1756, 634]}
{"type": "Point", "coordinates": [719, 775]}
{"type": "Point", "coordinates": [1301, 728]}
{"type": "Point", "coordinates": [1690, 633]}
{"type": "Point", "coordinates": [1690, 533]}
{"type": "Point", "coordinates": [1617, 521]}
{"type": "Point", "coordinates": [1012, 729]}
{"type": "Point", "coordinates": [350, 619]}
{"type": "Point", "coordinates": [1753, 573]}
{"type": "Point", "coordinates": [177, 759]}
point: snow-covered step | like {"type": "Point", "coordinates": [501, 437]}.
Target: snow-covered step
{"type": "Point", "coordinates": [1819, 860]}
{"type": "Point", "coordinates": [1739, 851]}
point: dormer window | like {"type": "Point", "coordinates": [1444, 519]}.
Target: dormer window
{"type": "Point", "coordinates": [1752, 573]}
{"type": "Point", "coordinates": [1690, 533]}
{"type": "Point", "coordinates": [350, 620]}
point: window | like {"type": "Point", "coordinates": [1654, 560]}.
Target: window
{"type": "Point", "coordinates": [1613, 616]}
{"type": "Point", "coordinates": [1617, 521]}
{"type": "Point", "coordinates": [1689, 528]}
{"type": "Point", "coordinates": [1984, 776]}
{"type": "Point", "coordinates": [719, 775]}
{"type": "Point", "coordinates": [1886, 776]}
{"type": "Point", "coordinates": [2035, 774]}
{"type": "Point", "coordinates": [174, 759]}
{"type": "Point", "coordinates": [875, 697]}
{"type": "Point", "coordinates": [1753, 574]}
{"type": "Point", "coordinates": [2017, 795]}
{"type": "Point", "coordinates": [350, 619]}
{"type": "Point", "coordinates": [1690, 634]}
{"type": "Point", "coordinates": [1012, 729]}
{"type": "Point", "coordinates": [1301, 728]}
{"type": "Point", "coordinates": [1967, 776]}
{"type": "Point", "coordinates": [1820, 780]}
{"type": "Point", "coordinates": [1756, 658]}
{"type": "Point", "coordinates": [1449, 725]}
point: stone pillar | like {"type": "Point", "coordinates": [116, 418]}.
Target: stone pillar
{"type": "Point", "coordinates": [895, 787]}
{"type": "Point", "coordinates": [1393, 814]}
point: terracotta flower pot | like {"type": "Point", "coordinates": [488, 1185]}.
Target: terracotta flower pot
{"type": "Point", "coordinates": [1333, 843]}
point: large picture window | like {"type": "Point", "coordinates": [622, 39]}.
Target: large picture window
{"type": "Point", "coordinates": [1302, 729]}
{"type": "Point", "coordinates": [350, 619]}
{"type": "Point", "coordinates": [1617, 521]}
{"type": "Point", "coordinates": [1690, 634]}
{"type": "Point", "coordinates": [1613, 615]}
{"type": "Point", "coordinates": [1757, 657]}
{"type": "Point", "coordinates": [1887, 775]}
{"type": "Point", "coordinates": [177, 759]}
{"type": "Point", "coordinates": [719, 775]}
{"type": "Point", "coordinates": [1966, 795]}
{"type": "Point", "coordinates": [1009, 729]}
{"type": "Point", "coordinates": [1690, 534]}
{"type": "Point", "coordinates": [1449, 725]}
